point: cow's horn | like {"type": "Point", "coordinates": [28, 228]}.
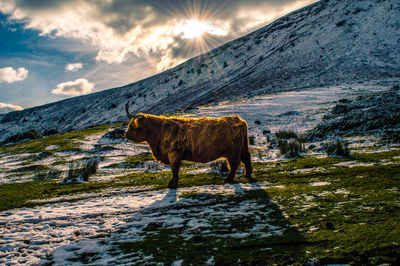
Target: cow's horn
{"type": "Point", "coordinates": [131, 116]}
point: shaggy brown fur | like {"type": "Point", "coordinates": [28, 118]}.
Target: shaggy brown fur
{"type": "Point", "coordinates": [201, 140]}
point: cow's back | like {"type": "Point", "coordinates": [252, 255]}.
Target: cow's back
{"type": "Point", "coordinates": [210, 138]}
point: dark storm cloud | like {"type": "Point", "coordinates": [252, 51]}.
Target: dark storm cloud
{"type": "Point", "coordinates": [43, 4]}
{"type": "Point", "coordinates": [123, 15]}
{"type": "Point", "coordinates": [126, 14]}
{"type": "Point", "coordinates": [120, 27]}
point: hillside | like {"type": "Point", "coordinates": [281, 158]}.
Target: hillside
{"type": "Point", "coordinates": [309, 210]}
{"type": "Point", "coordinates": [327, 43]}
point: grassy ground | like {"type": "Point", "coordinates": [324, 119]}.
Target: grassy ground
{"type": "Point", "coordinates": [352, 217]}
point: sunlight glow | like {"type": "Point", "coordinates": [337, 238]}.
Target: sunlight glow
{"type": "Point", "coordinates": [192, 28]}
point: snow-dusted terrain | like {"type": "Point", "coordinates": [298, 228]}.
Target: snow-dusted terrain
{"type": "Point", "coordinates": [326, 43]}
{"type": "Point", "coordinates": [63, 230]}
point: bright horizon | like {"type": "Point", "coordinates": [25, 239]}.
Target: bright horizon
{"type": "Point", "coordinates": [60, 49]}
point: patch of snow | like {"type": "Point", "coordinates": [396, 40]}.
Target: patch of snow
{"type": "Point", "coordinates": [105, 193]}
{"type": "Point", "coordinates": [342, 191]}
{"type": "Point", "coordinates": [319, 184]}
{"type": "Point", "coordinates": [10, 178]}
{"type": "Point", "coordinates": [310, 198]}
{"type": "Point", "coordinates": [152, 166]}
{"type": "Point", "coordinates": [199, 171]}
{"type": "Point", "coordinates": [47, 161]}
{"type": "Point", "coordinates": [51, 147]}
{"type": "Point", "coordinates": [325, 193]}
{"type": "Point", "coordinates": [205, 169]}
{"type": "Point", "coordinates": [177, 263]}
{"type": "Point", "coordinates": [14, 161]}
{"type": "Point", "coordinates": [309, 170]}
{"type": "Point", "coordinates": [210, 261]}
{"type": "Point", "coordinates": [312, 229]}
{"type": "Point", "coordinates": [351, 164]}
{"type": "Point", "coordinates": [279, 186]}
{"type": "Point", "coordinates": [66, 153]}
{"type": "Point", "coordinates": [88, 142]}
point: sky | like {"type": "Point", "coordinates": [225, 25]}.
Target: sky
{"type": "Point", "coordinates": [55, 49]}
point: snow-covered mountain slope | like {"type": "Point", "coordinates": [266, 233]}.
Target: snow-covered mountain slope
{"type": "Point", "coordinates": [327, 43]}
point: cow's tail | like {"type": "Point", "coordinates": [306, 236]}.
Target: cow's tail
{"type": "Point", "coordinates": [245, 155]}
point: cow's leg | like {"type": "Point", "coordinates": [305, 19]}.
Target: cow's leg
{"type": "Point", "coordinates": [247, 163]}
{"type": "Point", "coordinates": [175, 163]}
{"type": "Point", "coordinates": [233, 166]}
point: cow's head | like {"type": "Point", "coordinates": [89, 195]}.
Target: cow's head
{"type": "Point", "coordinates": [136, 127]}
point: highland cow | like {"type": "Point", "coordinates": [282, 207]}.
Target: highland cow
{"type": "Point", "coordinates": [173, 139]}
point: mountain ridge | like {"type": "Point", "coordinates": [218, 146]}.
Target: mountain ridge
{"type": "Point", "coordinates": [325, 43]}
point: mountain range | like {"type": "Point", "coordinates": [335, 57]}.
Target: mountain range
{"type": "Point", "coordinates": [324, 44]}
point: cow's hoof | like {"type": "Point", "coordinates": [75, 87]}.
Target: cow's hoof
{"type": "Point", "coordinates": [229, 181]}
{"type": "Point", "coordinates": [173, 185]}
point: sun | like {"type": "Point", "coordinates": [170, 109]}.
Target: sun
{"type": "Point", "coordinates": [191, 29]}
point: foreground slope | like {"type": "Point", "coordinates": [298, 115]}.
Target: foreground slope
{"type": "Point", "coordinates": [329, 42]}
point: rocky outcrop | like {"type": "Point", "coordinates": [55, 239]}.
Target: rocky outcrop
{"type": "Point", "coordinates": [372, 113]}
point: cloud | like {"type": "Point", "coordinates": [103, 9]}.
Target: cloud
{"type": "Point", "coordinates": [9, 75]}
{"type": "Point", "coordinates": [121, 27]}
{"type": "Point", "coordinates": [7, 107]}
{"type": "Point", "coordinates": [73, 67]}
{"type": "Point", "coordinates": [74, 88]}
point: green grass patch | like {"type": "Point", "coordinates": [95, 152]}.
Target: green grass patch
{"type": "Point", "coordinates": [142, 157]}
{"type": "Point", "coordinates": [375, 157]}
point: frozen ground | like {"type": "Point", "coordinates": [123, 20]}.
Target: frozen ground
{"type": "Point", "coordinates": [62, 230]}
